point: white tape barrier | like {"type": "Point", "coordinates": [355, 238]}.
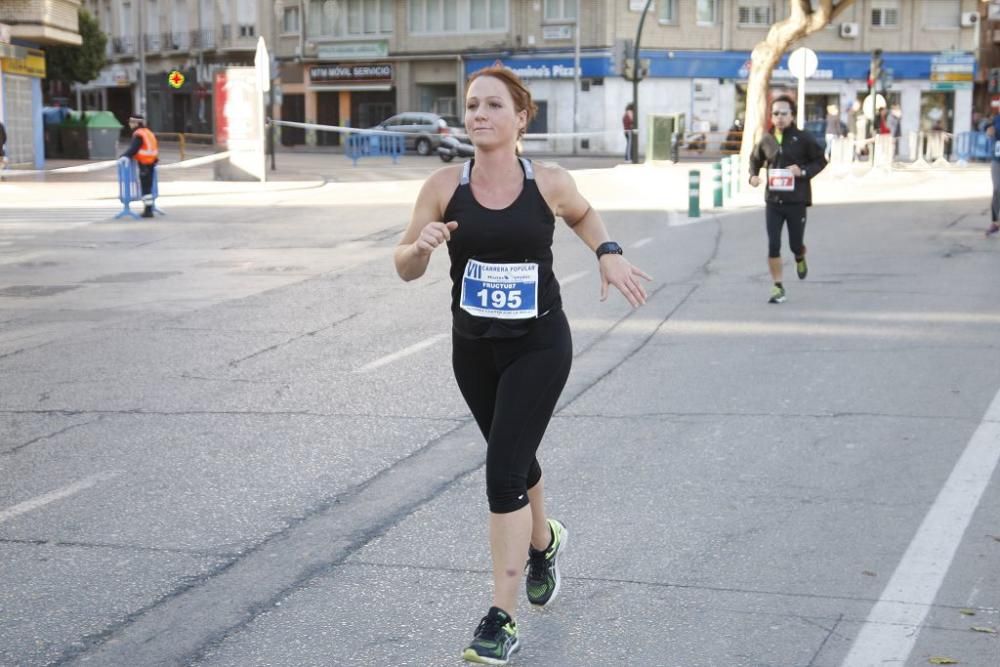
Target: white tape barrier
{"type": "Point", "coordinates": [355, 130]}
{"type": "Point", "coordinates": [107, 164]}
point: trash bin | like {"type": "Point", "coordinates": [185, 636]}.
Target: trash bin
{"type": "Point", "coordinates": [73, 137]}
{"type": "Point", "coordinates": [662, 127]}
{"type": "Point", "coordinates": [102, 134]}
{"type": "Point", "coordinates": [52, 117]}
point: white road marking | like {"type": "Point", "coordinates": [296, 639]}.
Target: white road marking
{"type": "Point", "coordinates": [642, 242]}
{"type": "Point", "coordinates": [891, 629]}
{"type": "Point", "coordinates": [405, 352]}
{"type": "Point", "coordinates": [573, 277]}
{"type": "Point", "coordinates": [58, 494]}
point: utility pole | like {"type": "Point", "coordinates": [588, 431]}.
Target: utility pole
{"type": "Point", "coordinates": [142, 58]}
{"type": "Point", "coordinates": [576, 73]}
{"type": "Point", "coordinates": [635, 85]}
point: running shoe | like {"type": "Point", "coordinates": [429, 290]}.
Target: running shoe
{"type": "Point", "coordinates": [542, 582]}
{"type": "Point", "coordinates": [777, 295]}
{"type": "Point", "coordinates": [495, 639]}
{"type": "Point", "coordinates": [994, 228]}
{"type": "Point", "coordinates": [801, 268]}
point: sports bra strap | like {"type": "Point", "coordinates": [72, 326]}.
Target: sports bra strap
{"type": "Point", "coordinates": [529, 171]}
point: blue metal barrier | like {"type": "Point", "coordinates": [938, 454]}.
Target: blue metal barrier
{"type": "Point", "coordinates": [973, 146]}
{"type": "Point", "coordinates": [375, 145]}
{"type": "Point", "coordinates": [129, 188]}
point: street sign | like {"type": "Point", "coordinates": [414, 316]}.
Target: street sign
{"type": "Point", "coordinates": [802, 63]}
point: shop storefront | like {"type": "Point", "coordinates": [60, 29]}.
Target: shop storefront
{"type": "Point", "coordinates": [933, 90]}
{"type": "Point", "coordinates": [21, 72]}
{"type": "Point", "coordinates": [351, 94]}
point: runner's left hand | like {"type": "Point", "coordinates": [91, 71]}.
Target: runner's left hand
{"type": "Point", "coordinates": [618, 271]}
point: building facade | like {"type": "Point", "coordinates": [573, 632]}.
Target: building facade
{"type": "Point", "coordinates": [356, 62]}
{"type": "Point", "coordinates": [26, 27]}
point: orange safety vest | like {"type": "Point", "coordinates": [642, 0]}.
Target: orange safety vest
{"type": "Point", "coordinates": [149, 151]}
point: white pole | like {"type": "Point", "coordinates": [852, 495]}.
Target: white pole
{"type": "Point", "coordinates": [576, 72]}
{"type": "Point", "coordinates": [800, 117]}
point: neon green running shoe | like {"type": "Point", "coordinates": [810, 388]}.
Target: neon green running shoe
{"type": "Point", "coordinates": [495, 639]}
{"type": "Point", "coordinates": [542, 582]}
{"type": "Point", "coordinates": [777, 294]}
{"type": "Point", "coordinates": [801, 268]}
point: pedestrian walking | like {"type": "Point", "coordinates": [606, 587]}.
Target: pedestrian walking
{"type": "Point", "coordinates": [511, 343]}
{"type": "Point", "coordinates": [792, 158]}
{"type": "Point", "coordinates": [628, 124]}
{"type": "Point", "coordinates": [993, 131]}
{"type": "Point", "coordinates": [3, 141]}
{"type": "Point", "coordinates": [144, 149]}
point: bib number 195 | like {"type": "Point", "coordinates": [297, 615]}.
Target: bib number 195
{"type": "Point", "coordinates": [499, 298]}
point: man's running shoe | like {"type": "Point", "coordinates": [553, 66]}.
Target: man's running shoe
{"type": "Point", "coordinates": [495, 639]}
{"type": "Point", "coordinates": [777, 295]}
{"type": "Point", "coordinates": [994, 228]}
{"type": "Point", "coordinates": [542, 582]}
{"type": "Point", "coordinates": [801, 267]}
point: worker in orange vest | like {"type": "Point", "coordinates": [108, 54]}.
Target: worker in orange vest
{"type": "Point", "coordinates": [145, 151]}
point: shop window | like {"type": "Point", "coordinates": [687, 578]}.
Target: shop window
{"type": "Point", "coordinates": [540, 123]}
{"type": "Point", "coordinates": [668, 12]}
{"type": "Point", "coordinates": [754, 13]}
{"type": "Point", "coordinates": [707, 12]}
{"type": "Point", "coordinates": [942, 13]}
{"type": "Point", "coordinates": [885, 13]}
{"type": "Point", "coordinates": [560, 10]}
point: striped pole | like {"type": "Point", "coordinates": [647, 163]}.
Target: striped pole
{"type": "Point", "coordinates": [694, 193]}
{"type": "Point", "coordinates": [717, 185]}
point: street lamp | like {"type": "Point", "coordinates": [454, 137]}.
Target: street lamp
{"type": "Point", "coordinates": [635, 85]}
{"type": "Point", "coordinates": [272, 72]}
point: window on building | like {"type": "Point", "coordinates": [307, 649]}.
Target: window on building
{"type": "Point", "coordinates": [885, 13]}
{"type": "Point", "coordinates": [707, 12]}
{"type": "Point", "coordinates": [754, 12]}
{"type": "Point", "coordinates": [942, 13]}
{"type": "Point", "coordinates": [668, 11]}
{"type": "Point", "coordinates": [327, 18]}
{"type": "Point", "coordinates": [560, 10]}
{"type": "Point", "coordinates": [448, 16]}
{"type": "Point", "coordinates": [290, 20]}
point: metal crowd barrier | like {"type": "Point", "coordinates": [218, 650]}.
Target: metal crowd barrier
{"type": "Point", "coordinates": [129, 188]}
{"type": "Point", "coordinates": [375, 145]}
{"type": "Point", "coordinates": [973, 146]}
{"type": "Point", "coordinates": [183, 138]}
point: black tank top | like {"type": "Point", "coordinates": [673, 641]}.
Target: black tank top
{"type": "Point", "coordinates": [517, 235]}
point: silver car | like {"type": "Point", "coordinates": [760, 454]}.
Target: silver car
{"type": "Point", "coordinates": [423, 130]}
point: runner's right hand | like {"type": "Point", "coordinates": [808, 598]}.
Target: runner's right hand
{"type": "Point", "coordinates": [434, 234]}
{"type": "Point", "coordinates": [755, 181]}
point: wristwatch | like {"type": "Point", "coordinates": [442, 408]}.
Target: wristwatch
{"type": "Point", "coordinates": [608, 247]}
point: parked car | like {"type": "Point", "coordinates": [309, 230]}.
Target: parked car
{"type": "Point", "coordinates": [424, 130]}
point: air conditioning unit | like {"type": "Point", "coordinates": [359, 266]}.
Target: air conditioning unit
{"type": "Point", "coordinates": [969, 19]}
{"type": "Point", "coordinates": [849, 30]}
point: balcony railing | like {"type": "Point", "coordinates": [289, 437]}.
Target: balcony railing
{"type": "Point", "coordinates": [226, 36]}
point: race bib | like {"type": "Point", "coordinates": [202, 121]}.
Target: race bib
{"type": "Point", "coordinates": [780, 180]}
{"type": "Point", "coordinates": [501, 291]}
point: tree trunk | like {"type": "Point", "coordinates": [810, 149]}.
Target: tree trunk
{"type": "Point", "coordinates": [802, 21]}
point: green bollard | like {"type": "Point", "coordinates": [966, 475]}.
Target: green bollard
{"type": "Point", "coordinates": [727, 179]}
{"type": "Point", "coordinates": [694, 194]}
{"type": "Point", "coordinates": [717, 185]}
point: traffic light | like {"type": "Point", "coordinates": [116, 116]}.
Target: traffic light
{"type": "Point", "coordinates": [620, 53]}
{"type": "Point", "coordinates": [629, 70]}
{"type": "Point", "coordinates": [875, 69]}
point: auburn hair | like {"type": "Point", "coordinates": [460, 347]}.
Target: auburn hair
{"type": "Point", "coordinates": [514, 85]}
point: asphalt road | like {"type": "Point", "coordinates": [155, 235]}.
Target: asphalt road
{"type": "Point", "coordinates": [231, 437]}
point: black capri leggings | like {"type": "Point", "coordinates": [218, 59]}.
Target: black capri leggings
{"type": "Point", "coordinates": [511, 386]}
{"type": "Point", "coordinates": [795, 216]}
